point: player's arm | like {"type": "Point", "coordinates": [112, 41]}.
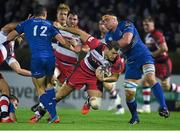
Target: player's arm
{"type": "Point", "coordinates": [162, 45]}
{"type": "Point", "coordinates": [162, 48]}
{"type": "Point", "coordinates": [12, 35]}
{"type": "Point", "coordinates": [65, 42]}
{"type": "Point", "coordinates": [13, 116]}
{"type": "Point", "coordinates": [83, 35]}
{"type": "Point", "coordinates": [125, 40]}
{"type": "Point", "coordinates": [9, 27]}
{"type": "Point", "coordinates": [14, 64]}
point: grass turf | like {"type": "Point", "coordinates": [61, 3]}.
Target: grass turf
{"type": "Point", "coordinates": [95, 120]}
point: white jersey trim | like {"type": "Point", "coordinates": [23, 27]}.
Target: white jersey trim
{"type": "Point", "coordinates": [3, 38]}
{"type": "Point", "coordinates": [3, 51]}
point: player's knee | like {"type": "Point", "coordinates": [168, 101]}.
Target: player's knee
{"type": "Point", "coordinates": [95, 102]}
{"type": "Point", "coordinates": [149, 74]}
{"type": "Point", "coordinates": [165, 85]}
{"type": "Point", "coordinates": [130, 90]}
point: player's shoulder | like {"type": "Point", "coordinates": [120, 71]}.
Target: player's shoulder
{"type": "Point", "coordinates": [125, 23]}
{"type": "Point", "coordinates": [157, 32]}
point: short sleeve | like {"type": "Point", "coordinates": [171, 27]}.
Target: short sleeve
{"type": "Point", "coordinates": [92, 42]}
{"type": "Point", "coordinates": [128, 27]}
{"type": "Point", "coordinates": [118, 66]}
{"type": "Point", "coordinates": [159, 37]}
{"type": "Point", "coordinates": [54, 31]}
{"type": "Point", "coordinates": [20, 27]}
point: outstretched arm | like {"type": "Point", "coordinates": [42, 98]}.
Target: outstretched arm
{"type": "Point", "coordinates": [83, 35]}
{"type": "Point", "coordinates": [17, 68]}
{"type": "Point", "coordinates": [9, 27]}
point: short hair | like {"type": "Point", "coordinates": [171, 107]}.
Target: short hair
{"type": "Point", "coordinates": [73, 12]}
{"type": "Point", "coordinates": [149, 19]}
{"type": "Point", "coordinates": [39, 10]}
{"type": "Point", "coordinates": [108, 12]}
{"type": "Point", "coordinates": [13, 97]}
{"type": "Point", "coordinates": [63, 6]}
{"type": "Point", "coordinates": [113, 45]}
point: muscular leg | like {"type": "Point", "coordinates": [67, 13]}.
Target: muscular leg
{"type": "Point", "coordinates": [95, 98]}
{"type": "Point", "coordinates": [130, 86]}
{"type": "Point", "coordinates": [149, 77]}
{"type": "Point", "coordinates": [114, 96]}
{"type": "Point", "coordinates": [4, 87]}
{"type": "Point", "coordinates": [63, 91]}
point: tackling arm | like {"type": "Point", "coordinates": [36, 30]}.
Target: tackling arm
{"type": "Point", "coordinates": [162, 48]}
{"type": "Point", "coordinates": [125, 40]}
{"type": "Point", "coordinates": [17, 68]}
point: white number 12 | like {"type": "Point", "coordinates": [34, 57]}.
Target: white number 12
{"type": "Point", "coordinates": [43, 30]}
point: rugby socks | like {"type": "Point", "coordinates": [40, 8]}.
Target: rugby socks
{"type": "Point", "coordinates": [4, 106]}
{"type": "Point", "coordinates": [48, 103]}
{"type": "Point", "coordinates": [52, 96]}
{"type": "Point", "coordinates": [146, 95]}
{"type": "Point", "coordinates": [51, 93]}
{"type": "Point", "coordinates": [132, 105]}
{"type": "Point", "coordinates": [158, 93]}
{"type": "Point", "coordinates": [175, 88]}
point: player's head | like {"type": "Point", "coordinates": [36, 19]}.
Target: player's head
{"type": "Point", "coordinates": [62, 13]}
{"type": "Point", "coordinates": [72, 19]}
{"type": "Point", "coordinates": [14, 100]}
{"type": "Point", "coordinates": [40, 11]}
{"type": "Point", "coordinates": [110, 20]}
{"type": "Point", "coordinates": [102, 27]}
{"type": "Point", "coordinates": [148, 24]}
{"type": "Point", "coordinates": [112, 50]}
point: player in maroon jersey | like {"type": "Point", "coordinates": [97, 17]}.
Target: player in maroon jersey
{"type": "Point", "coordinates": [156, 42]}
{"type": "Point", "coordinates": [118, 68]}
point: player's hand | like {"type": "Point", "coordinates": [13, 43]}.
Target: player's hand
{"type": "Point", "coordinates": [99, 73]}
{"type": "Point", "coordinates": [58, 25]}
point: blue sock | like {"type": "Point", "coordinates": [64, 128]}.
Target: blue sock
{"type": "Point", "coordinates": [132, 105]}
{"type": "Point", "coordinates": [48, 104]}
{"type": "Point", "coordinates": [51, 93]}
{"type": "Point", "coordinates": [158, 92]}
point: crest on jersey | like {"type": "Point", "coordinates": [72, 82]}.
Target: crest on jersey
{"type": "Point", "coordinates": [110, 39]}
{"type": "Point", "coordinates": [127, 24]}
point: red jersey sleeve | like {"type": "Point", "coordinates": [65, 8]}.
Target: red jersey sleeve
{"type": "Point", "coordinates": [92, 42]}
{"type": "Point", "coordinates": [118, 66]}
{"type": "Point", "coordinates": [159, 37]}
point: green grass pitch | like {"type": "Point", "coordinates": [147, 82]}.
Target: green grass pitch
{"type": "Point", "coordinates": [71, 119]}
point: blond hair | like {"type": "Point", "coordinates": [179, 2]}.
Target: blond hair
{"type": "Point", "coordinates": [63, 7]}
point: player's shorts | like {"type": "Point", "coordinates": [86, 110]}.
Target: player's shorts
{"type": "Point", "coordinates": [1, 76]}
{"type": "Point", "coordinates": [65, 70]}
{"type": "Point", "coordinates": [80, 78]}
{"type": "Point", "coordinates": [42, 67]}
{"type": "Point", "coordinates": [134, 66]}
{"type": "Point", "coordinates": [163, 70]}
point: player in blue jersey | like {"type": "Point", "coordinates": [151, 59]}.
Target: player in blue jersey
{"type": "Point", "coordinates": [138, 61]}
{"type": "Point", "coordinates": [39, 33]}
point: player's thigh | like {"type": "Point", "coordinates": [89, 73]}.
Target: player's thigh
{"type": "Point", "coordinates": [133, 70]}
{"type": "Point", "coordinates": [4, 87]}
{"type": "Point", "coordinates": [163, 70]}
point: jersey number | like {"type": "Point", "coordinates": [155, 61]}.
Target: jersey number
{"type": "Point", "coordinates": [42, 28]}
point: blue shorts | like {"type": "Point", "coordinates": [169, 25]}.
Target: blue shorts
{"type": "Point", "coordinates": [134, 66]}
{"type": "Point", "coordinates": [42, 67]}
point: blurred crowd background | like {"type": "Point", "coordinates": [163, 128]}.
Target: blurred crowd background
{"type": "Point", "coordinates": [165, 12]}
